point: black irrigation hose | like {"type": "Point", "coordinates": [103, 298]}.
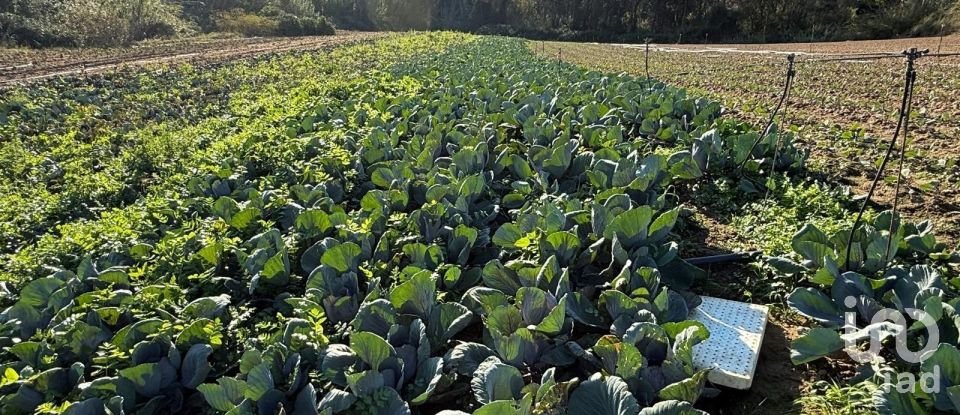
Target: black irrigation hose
{"type": "Point", "coordinates": [903, 118]}
{"type": "Point", "coordinates": [877, 56]}
{"type": "Point", "coordinates": [725, 258]}
{"type": "Point", "coordinates": [783, 97]}
{"type": "Point", "coordinates": [856, 57]}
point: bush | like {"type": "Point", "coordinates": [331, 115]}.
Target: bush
{"type": "Point", "coordinates": [244, 23]}
{"type": "Point", "coordinates": [25, 31]}
{"type": "Point", "coordinates": [318, 26]}
{"type": "Point", "coordinates": [153, 18]}
{"type": "Point", "coordinates": [152, 30]}
{"type": "Point", "coordinates": [89, 22]}
{"type": "Point", "coordinates": [904, 19]}
{"type": "Point", "coordinates": [93, 23]}
{"type": "Point", "coordinates": [951, 20]}
{"type": "Point", "coordinates": [302, 8]}
{"type": "Point", "coordinates": [291, 25]}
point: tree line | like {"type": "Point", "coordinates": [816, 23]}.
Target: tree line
{"type": "Point", "coordinates": [44, 22]}
{"type": "Point", "coordinates": [671, 20]}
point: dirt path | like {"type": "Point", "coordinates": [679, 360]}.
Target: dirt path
{"type": "Point", "coordinates": [26, 65]}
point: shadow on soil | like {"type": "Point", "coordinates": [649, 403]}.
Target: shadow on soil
{"type": "Point", "coordinates": [776, 382]}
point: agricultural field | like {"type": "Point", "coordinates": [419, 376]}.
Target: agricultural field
{"type": "Point", "coordinates": [436, 223]}
{"type": "Point", "coordinates": [19, 65]}
{"type": "Point", "coordinates": [844, 112]}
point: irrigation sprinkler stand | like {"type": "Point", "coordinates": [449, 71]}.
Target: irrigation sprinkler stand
{"type": "Point", "coordinates": [940, 44]}
{"type": "Point", "coordinates": [559, 60]}
{"type": "Point", "coordinates": [791, 73]}
{"type": "Point", "coordinates": [646, 59]}
{"type": "Point", "coordinates": [902, 122]}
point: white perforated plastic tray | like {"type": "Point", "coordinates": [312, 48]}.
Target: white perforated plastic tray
{"type": "Point", "coordinates": [736, 333]}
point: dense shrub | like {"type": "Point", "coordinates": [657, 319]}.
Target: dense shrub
{"type": "Point", "coordinates": [152, 30]}
{"type": "Point", "coordinates": [41, 23]}
{"type": "Point", "coordinates": [153, 18]}
{"type": "Point", "coordinates": [405, 15]}
{"type": "Point", "coordinates": [295, 7]}
{"type": "Point", "coordinates": [903, 19]}
{"type": "Point", "coordinates": [25, 31]}
{"type": "Point", "coordinates": [93, 23]}
{"type": "Point", "coordinates": [292, 25]}
{"type": "Point", "coordinates": [282, 24]}
{"type": "Point", "coordinates": [245, 23]}
{"type": "Point", "coordinates": [89, 22]}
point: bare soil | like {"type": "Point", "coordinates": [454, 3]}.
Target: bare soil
{"type": "Point", "coordinates": [776, 383]}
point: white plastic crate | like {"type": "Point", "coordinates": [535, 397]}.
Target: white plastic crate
{"type": "Point", "coordinates": [736, 333]}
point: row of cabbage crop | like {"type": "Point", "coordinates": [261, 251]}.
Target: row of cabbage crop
{"type": "Point", "coordinates": [73, 147]}
{"type": "Point", "coordinates": [477, 230]}
{"type": "Point", "coordinates": [69, 190]}
{"type": "Point", "coordinates": [886, 297]}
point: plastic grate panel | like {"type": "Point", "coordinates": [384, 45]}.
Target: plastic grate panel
{"type": "Point", "coordinates": [736, 333]}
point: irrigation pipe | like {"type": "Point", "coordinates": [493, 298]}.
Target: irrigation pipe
{"type": "Point", "coordinates": [852, 57]}
{"type": "Point", "coordinates": [725, 258]}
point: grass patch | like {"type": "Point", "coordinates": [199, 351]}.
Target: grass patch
{"type": "Point", "coordinates": [771, 222]}
{"type": "Point", "coordinates": [831, 398]}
